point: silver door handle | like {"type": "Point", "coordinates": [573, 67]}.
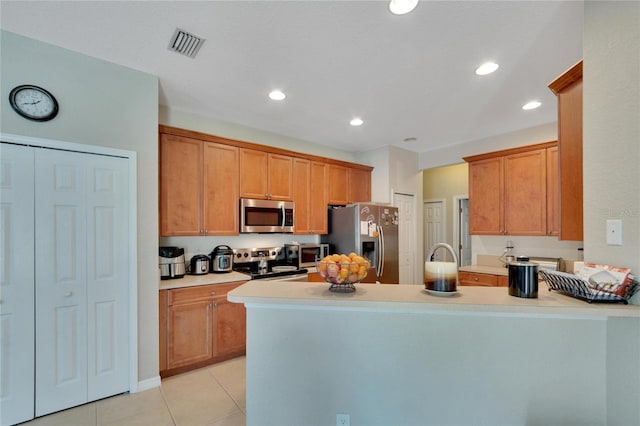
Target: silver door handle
{"type": "Point", "coordinates": [381, 232]}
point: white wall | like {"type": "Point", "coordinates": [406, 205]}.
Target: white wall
{"type": "Point", "coordinates": [612, 130]}
{"type": "Point", "coordinates": [453, 154]}
{"type": "Point", "coordinates": [106, 105]}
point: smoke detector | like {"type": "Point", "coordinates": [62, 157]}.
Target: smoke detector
{"type": "Point", "coordinates": [185, 43]}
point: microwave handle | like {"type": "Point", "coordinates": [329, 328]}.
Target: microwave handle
{"type": "Point", "coordinates": [283, 215]}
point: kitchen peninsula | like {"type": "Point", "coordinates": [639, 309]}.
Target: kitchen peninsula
{"type": "Point", "coordinates": [397, 355]}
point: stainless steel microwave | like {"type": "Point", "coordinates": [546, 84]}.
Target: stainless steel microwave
{"type": "Point", "coordinates": [305, 255]}
{"type": "Point", "coordinates": [266, 216]}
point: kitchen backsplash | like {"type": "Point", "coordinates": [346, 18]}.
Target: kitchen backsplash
{"type": "Point", "coordinates": [524, 246]}
{"type": "Point", "coordinates": [204, 245]}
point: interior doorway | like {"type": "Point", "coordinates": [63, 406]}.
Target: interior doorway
{"type": "Point", "coordinates": [434, 226]}
{"type": "Point", "coordinates": [462, 239]}
{"type": "Point", "coordinates": [406, 237]}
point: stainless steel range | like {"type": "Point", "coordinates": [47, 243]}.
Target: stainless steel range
{"type": "Point", "coordinates": [266, 263]}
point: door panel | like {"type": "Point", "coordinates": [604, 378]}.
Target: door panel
{"type": "Point", "coordinates": [406, 238]}
{"type": "Point", "coordinates": [17, 281]}
{"type": "Point", "coordinates": [61, 292]}
{"type": "Point", "coordinates": [434, 227]}
{"type": "Point", "coordinates": [107, 276]}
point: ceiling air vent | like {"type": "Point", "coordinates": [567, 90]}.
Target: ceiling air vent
{"type": "Point", "coordinates": [185, 43]}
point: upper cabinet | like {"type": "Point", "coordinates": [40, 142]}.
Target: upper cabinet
{"type": "Point", "coordinates": [508, 192]}
{"type": "Point", "coordinates": [203, 177]}
{"type": "Point", "coordinates": [310, 196]}
{"type": "Point", "coordinates": [349, 185]}
{"type": "Point", "coordinates": [265, 175]}
{"type": "Point", "coordinates": [568, 88]}
{"type": "Point", "coordinates": [191, 172]}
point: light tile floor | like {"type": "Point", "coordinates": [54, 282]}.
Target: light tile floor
{"type": "Point", "coordinates": [210, 396]}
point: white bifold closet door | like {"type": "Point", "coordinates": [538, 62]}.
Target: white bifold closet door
{"type": "Point", "coordinates": [81, 216]}
{"type": "Point", "coordinates": [17, 277]}
{"type": "Point", "coordinates": [64, 271]}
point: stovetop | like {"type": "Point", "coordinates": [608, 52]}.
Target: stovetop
{"type": "Point", "coordinates": [247, 261]}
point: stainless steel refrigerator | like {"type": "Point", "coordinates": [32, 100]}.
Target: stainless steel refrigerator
{"type": "Point", "coordinates": [369, 230]}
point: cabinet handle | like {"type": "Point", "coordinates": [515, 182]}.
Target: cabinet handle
{"type": "Point", "coordinates": [475, 278]}
{"type": "Point", "coordinates": [212, 292]}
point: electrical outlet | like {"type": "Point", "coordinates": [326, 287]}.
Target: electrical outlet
{"type": "Point", "coordinates": [614, 232]}
{"type": "Point", "coordinates": [342, 420]}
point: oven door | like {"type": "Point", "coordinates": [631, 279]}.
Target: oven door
{"type": "Point", "coordinates": [266, 216]}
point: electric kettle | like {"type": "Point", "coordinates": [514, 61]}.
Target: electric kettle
{"type": "Point", "coordinates": [441, 277]}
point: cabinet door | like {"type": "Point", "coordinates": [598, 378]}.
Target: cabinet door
{"type": "Point", "coordinates": [302, 187]}
{"type": "Point", "coordinates": [17, 279]}
{"type": "Point", "coordinates": [230, 330]}
{"type": "Point", "coordinates": [338, 185]}
{"type": "Point", "coordinates": [525, 189]}
{"type": "Point", "coordinates": [189, 333]}
{"type": "Point", "coordinates": [253, 174]}
{"type": "Point", "coordinates": [220, 189]}
{"type": "Point", "coordinates": [180, 190]}
{"type": "Point", "coordinates": [359, 186]}
{"type": "Point", "coordinates": [280, 175]}
{"type": "Point", "coordinates": [553, 192]}
{"type": "Point", "coordinates": [485, 197]}
{"type": "Point", "coordinates": [318, 198]}
{"type": "Point", "coordinates": [570, 158]}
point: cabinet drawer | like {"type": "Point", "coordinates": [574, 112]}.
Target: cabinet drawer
{"type": "Point", "coordinates": [470, 278]}
{"type": "Point", "coordinates": [210, 291]}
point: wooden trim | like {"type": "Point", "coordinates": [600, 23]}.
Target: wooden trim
{"type": "Point", "coordinates": [183, 369]}
{"type": "Point", "coordinates": [511, 151]}
{"type": "Point", "coordinates": [250, 145]}
{"type": "Point", "coordinates": [567, 78]}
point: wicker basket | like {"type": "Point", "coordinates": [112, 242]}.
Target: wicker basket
{"type": "Point", "coordinates": [581, 289]}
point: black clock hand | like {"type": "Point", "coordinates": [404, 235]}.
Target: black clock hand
{"type": "Point", "coordinates": [32, 103]}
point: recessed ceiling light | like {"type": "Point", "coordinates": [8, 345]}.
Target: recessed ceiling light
{"type": "Point", "coordinates": [531, 105]}
{"type": "Point", "coordinates": [487, 68]}
{"type": "Point", "coordinates": [356, 122]}
{"type": "Point", "coordinates": [401, 7]}
{"type": "Point", "coordinates": [277, 95]}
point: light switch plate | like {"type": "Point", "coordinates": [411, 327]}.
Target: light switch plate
{"type": "Point", "coordinates": [614, 232]}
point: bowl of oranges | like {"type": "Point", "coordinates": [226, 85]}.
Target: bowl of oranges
{"type": "Point", "coordinates": [342, 271]}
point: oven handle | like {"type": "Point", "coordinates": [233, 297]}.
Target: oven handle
{"type": "Point", "coordinates": [299, 277]}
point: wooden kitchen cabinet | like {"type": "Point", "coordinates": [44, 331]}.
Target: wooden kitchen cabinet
{"type": "Point", "coordinates": [508, 191]}
{"type": "Point", "coordinates": [198, 326]}
{"type": "Point", "coordinates": [359, 186]}
{"type": "Point", "coordinates": [265, 175]}
{"type": "Point", "coordinates": [483, 280]}
{"type": "Point", "coordinates": [191, 189]}
{"type": "Point", "coordinates": [568, 89]}
{"type": "Point", "coordinates": [348, 185]}
{"type": "Point", "coordinates": [310, 196]}
{"type": "Point", "coordinates": [553, 192]}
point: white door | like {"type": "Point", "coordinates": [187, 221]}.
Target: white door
{"type": "Point", "coordinates": [464, 243]}
{"type": "Point", "coordinates": [81, 278]}
{"type": "Point", "coordinates": [16, 284]}
{"type": "Point", "coordinates": [434, 226]}
{"type": "Point", "coordinates": [406, 238]}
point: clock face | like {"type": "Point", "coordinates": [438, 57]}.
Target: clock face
{"type": "Point", "coordinates": [33, 102]}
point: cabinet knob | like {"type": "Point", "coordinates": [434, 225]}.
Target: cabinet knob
{"type": "Point", "coordinates": [68, 294]}
{"type": "Point", "coordinates": [213, 292]}
{"type": "Point", "coordinates": [475, 278]}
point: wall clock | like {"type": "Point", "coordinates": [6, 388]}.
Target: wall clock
{"type": "Point", "coordinates": [33, 102]}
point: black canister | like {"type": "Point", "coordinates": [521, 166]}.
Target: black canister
{"type": "Point", "coordinates": [523, 279]}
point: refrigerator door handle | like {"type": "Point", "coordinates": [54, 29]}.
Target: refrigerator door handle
{"type": "Point", "coordinates": [381, 254]}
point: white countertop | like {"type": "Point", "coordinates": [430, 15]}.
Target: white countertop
{"type": "Point", "coordinates": [195, 280]}
{"type": "Point", "coordinates": [414, 298]}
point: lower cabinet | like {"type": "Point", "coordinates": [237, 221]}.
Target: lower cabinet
{"type": "Point", "coordinates": [198, 326]}
{"type": "Point", "coordinates": [483, 280]}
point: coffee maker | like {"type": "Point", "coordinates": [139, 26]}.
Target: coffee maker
{"type": "Point", "coordinates": [171, 263]}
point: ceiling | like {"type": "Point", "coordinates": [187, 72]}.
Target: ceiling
{"type": "Point", "coordinates": [409, 76]}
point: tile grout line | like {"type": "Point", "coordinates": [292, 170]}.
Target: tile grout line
{"type": "Point", "coordinates": [227, 392]}
{"type": "Point", "coordinates": [166, 403]}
